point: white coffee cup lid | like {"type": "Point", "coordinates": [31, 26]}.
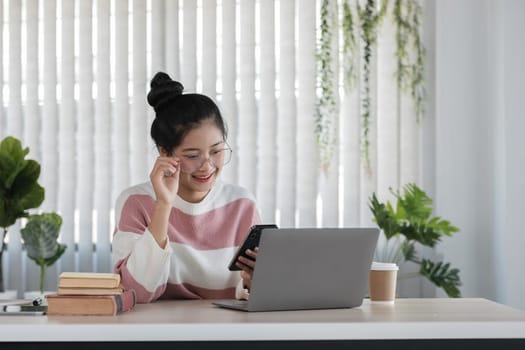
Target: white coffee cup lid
{"type": "Point", "coordinates": [381, 266]}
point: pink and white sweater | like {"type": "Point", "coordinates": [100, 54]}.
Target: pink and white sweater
{"type": "Point", "coordinates": [202, 237]}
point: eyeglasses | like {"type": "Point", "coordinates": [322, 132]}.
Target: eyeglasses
{"type": "Point", "coordinates": [191, 162]}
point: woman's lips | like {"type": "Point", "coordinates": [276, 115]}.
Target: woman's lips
{"type": "Point", "coordinates": [203, 179]}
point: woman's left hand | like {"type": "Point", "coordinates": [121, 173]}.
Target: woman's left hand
{"type": "Point", "coordinates": [247, 265]}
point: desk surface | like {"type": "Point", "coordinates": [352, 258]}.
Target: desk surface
{"type": "Point", "coordinates": [200, 320]}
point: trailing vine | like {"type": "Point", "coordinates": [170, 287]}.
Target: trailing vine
{"type": "Point", "coordinates": [369, 18]}
{"type": "Point", "coordinates": [360, 22]}
{"type": "Point", "coordinates": [327, 112]}
{"type": "Point", "coordinates": [410, 71]}
{"type": "Point", "coordinates": [350, 48]}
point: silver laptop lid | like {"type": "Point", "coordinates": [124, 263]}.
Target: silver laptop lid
{"type": "Point", "coordinates": [312, 268]}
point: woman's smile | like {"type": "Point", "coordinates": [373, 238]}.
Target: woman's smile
{"type": "Point", "coordinates": [204, 178]}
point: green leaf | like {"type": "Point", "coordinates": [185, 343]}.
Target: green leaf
{"type": "Point", "coordinates": [409, 251]}
{"type": "Point", "coordinates": [40, 238]}
{"type": "Point", "coordinates": [412, 218]}
{"type": "Point", "coordinates": [10, 212]}
{"type": "Point", "coordinates": [19, 188]}
{"type": "Point", "coordinates": [33, 198]}
{"type": "Point", "coordinates": [442, 276]}
{"type": "Point", "coordinates": [26, 177]}
{"type": "Point", "coordinates": [11, 160]}
{"type": "Point", "coordinates": [383, 217]}
{"type": "Point", "coordinates": [61, 248]}
{"type": "Point", "coordinates": [421, 233]}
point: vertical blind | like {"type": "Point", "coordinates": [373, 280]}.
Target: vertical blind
{"type": "Point", "coordinates": [74, 80]}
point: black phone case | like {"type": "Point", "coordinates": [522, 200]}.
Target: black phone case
{"type": "Point", "coordinates": [250, 242]}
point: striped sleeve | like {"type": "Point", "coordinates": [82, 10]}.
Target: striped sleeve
{"type": "Point", "coordinates": [142, 264]}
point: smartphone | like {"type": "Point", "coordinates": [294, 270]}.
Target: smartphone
{"type": "Point", "coordinates": [250, 242]}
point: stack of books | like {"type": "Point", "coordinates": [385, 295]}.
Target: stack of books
{"type": "Point", "coordinates": [90, 293]}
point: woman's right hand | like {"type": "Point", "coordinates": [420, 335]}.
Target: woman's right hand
{"type": "Point", "coordinates": [165, 179]}
{"type": "Point", "coordinates": [247, 266]}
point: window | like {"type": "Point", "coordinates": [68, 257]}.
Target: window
{"type": "Point", "coordinates": [74, 80]}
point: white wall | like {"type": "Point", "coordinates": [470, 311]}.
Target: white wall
{"type": "Point", "coordinates": [476, 166]}
{"type": "Point", "coordinates": [512, 118]}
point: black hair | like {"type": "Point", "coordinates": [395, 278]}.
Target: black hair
{"type": "Point", "coordinates": [176, 114]}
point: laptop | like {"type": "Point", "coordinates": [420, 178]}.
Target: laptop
{"type": "Point", "coordinates": [309, 268]}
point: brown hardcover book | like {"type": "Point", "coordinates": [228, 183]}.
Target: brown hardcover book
{"type": "Point", "coordinates": [95, 305]}
{"type": "Point", "coordinates": [89, 291]}
{"type": "Point", "coordinates": [89, 280]}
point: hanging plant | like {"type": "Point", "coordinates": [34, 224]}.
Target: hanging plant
{"type": "Point", "coordinates": [350, 48]}
{"type": "Point", "coordinates": [326, 109]}
{"type": "Point", "coordinates": [410, 70]}
{"type": "Point", "coordinates": [360, 23]}
{"type": "Point", "coordinates": [369, 18]}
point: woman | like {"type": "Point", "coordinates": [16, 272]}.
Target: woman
{"type": "Point", "coordinates": [176, 234]}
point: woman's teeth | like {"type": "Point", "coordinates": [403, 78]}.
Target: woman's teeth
{"type": "Point", "coordinates": [202, 178]}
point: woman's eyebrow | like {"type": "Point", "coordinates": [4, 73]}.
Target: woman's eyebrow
{"type": "Point", "coordinates": [190, 149]}
{"type": "Point", "coordinates": [216, 144]}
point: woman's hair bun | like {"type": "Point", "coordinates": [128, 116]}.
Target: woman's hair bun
{"type": "Point", "coordinates": [163, 90]}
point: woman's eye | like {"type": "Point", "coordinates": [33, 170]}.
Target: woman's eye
{"type": "Point", "coordinates": [217, 151]}
{"type": "Point", "coordinates": [191, 156]}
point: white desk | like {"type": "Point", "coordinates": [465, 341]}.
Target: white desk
{"type": "Point", "coordinates": [446, 322]}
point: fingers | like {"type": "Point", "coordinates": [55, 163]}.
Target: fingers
{"type": "Point", "coordinates": [165, 167]}
{"type": "Point", "coordinates": [252, 253]}
{"type": "Point", "coordinates": [247, 265]}
{"type": "Point", "coordinates": [247, 261]}
{"type": "Point", "coordinates": [170, 167]}
{"type": "Point", "coordinates": [244, 267]}
{"type": "Point", "coordinates": [247, 279]}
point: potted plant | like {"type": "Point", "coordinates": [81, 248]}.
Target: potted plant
{"type": "Point", "coordinates": [411, 221]}
{"type": "Point", "coordinates": [40, 236]}
{"type": "Point", "coordinates": [19, 188]}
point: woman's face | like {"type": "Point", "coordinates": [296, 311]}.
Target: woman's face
{"type": "Point", "coordinates": [201, 155]}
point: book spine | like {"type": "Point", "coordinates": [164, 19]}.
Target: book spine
{"type": "Point", "coordinates": [125, 301]}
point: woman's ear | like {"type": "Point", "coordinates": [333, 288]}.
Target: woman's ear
{"type": "Point", "coordinates": [163, 152]}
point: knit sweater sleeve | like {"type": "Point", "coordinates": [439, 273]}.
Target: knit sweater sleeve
{"type": "Point", "coordinates": [142, 264]}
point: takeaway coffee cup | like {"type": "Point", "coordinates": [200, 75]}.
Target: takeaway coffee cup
{"type": "Point", "coordinates": [382, 281]}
